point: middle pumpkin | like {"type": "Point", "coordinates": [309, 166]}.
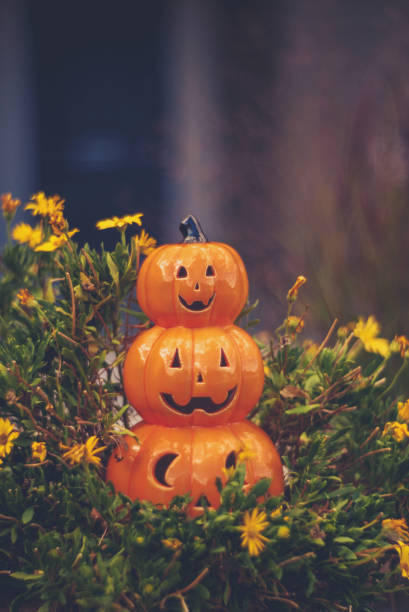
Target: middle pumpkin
{"type": "Point", "coordinates": [193, 376]}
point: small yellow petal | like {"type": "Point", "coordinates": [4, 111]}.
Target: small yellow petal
{"type": "Point", "coordinates": [119, 222]}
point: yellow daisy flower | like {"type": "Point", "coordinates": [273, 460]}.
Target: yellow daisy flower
{"type": "Point", "coordinates": [399, 431]}
{"type": "Point", "coordinates": [55, 242]}
{"type": "Point", "coordinates": [9, 205]}
{"type": "Point", "coordinates": [403, 410]}
{"type": "Point", "coordinates": [403, 550]}
{"type": "Point", "coordinates": [84, 452]}
{"type": "Point", "coordinates": [119, 222]}
{"type": "Point", "coordinates": [43, 206]}
{"type": "Point", "coordinates": [90, 451]}
{"type": "Point", "coordinates": [7, 436]}
{"type": "Point", "coordinates": [251, 536]}
{"type": "Point", "coordinates": [73, 454]}
{"type": "Point", "coordinates": [396, 527]}
{"type": "Point", "coordinates": [367, 332]}
{"type": "Point", "coordinates": [145, 243]}
{"type": "Point", "coordinates": [24, 233]}
{"type": "Point", "coordinates": [38, 451]}
{"type": "Point", "coordinates": [58, 223]}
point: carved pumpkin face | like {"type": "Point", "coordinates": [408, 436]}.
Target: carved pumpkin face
{"type": "Point", "coordinates": [194, 285]}
{"type": "Point", "coordinates": [205, 376]}
{"type": "Point", "coordinates": [171, 461]}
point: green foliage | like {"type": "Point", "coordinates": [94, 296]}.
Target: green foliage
{"type": "Point", "coordinates": [67, 541]}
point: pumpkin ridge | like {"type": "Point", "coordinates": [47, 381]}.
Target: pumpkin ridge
{"type": "Point", "coordinates": [142, 282]}
{"type": "Point", "coordinates": [145, 369]}
{"type": "Point", "coordinates": [242, 272]}
{"type": "Point", "coordinates": [192, 378]}
{"type": "Point", "coordinates": [131, 471]}
{"type": "Point", "coordinates": [192, 441]}
{"type": "Point", "coordinates": [213, 313]}
{"type": "Point", "coordinates": [233, 339]}
{"type": "Point", "coordinates": [174, 292]}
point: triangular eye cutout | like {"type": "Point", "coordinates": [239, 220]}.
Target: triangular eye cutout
{"type": "Point", "coordinates": [176, 360]}
{"type": "Point", "coordinates": [223, 359]}
{"type": "Point", "coordinates": [182, 272]}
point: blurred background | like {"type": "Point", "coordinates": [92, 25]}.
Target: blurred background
{"type": "Point", "coordinates": [283, 125]}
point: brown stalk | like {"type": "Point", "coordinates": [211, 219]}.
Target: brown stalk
{"type": "Point", "coordinates": [108, 333]}
{"type": "Point", "coordinates": [297, 558]}
{"type": "Point", "coordinates": [9, 518]}
{"type": "Point", "coordinates": [34, 422]}
{"type": "Point", "coordinates": [173, 560]}
{"type": "Point", "coordinates": [369, 438]}
{"type": "Point", "coordinates": [97, 307]}
{"type": "Point", "coordinates": [330, 393]}
{"type": "Point", "coordinates": [179, 593]}
{"type": "Point", "coordinates": [289, 602]}
{"type": "Point", "coordinates": [343, 348]}
{"type": "Point", "coordinates": [322, 345]}
{"type": "Point", "coordinates": [387, 449]}
{"type": "Point", "coordinates": [128, 602]}
{"type": "Point", "coordinates": [91, 265]}
{"type": "Point", "coordinates": [37, 526]}
{"type": "Point", "coordinates": [39, 464]}
{"type": "Point", "coordinates": [28, 413]}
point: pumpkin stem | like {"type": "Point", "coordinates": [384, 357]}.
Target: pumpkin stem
{"type": "Point", "coordinates": [191, 230]}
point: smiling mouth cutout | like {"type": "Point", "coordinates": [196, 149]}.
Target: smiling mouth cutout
{"type": "Point", "coordinates": [198, 403]}
{"type": "Point", "coordinates": [197, 305]}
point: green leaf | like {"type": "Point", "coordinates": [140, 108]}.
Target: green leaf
{"type": "Point", "coordinates": [344, 540]}
{"type": "Point", "coordinates": [261, 487]}
{"type": "Point", "coordinates": [14, 534]}
{"type": "Point", "coordinates": [24, 576]}
{"type": "Point", "coordinates": [300, 409]}
{"type": "Point", "coordinates": [27, 515]}
{"type": "Point", "coordinates": [218, 550]}
{"type": "Point", "coordinates": [113, 269]}
{"type": "Point", "coordinates": [203, 591]}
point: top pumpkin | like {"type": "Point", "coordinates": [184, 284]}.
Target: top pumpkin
{"type": "Point", "coordinates": [194, 284]}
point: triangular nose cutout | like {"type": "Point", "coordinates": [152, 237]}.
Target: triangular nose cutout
{"type": "Point", "coordinates": [199, 377]}
{"type": "Point", "coordinates": [197, 287]}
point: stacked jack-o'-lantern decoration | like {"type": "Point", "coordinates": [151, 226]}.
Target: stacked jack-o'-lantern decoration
{"type": "Point", "coordinates": [193, 378]}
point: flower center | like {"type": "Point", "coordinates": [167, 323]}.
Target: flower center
{"type": "Point", "coordinates": [3, 439]}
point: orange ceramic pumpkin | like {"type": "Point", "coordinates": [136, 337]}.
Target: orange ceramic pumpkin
{"type": "Point", "coordinates": [204, 376]}
{"type": "Point", "coordinates": [193, 284]}
{"type": "Point", "coordinates": [169, 461]}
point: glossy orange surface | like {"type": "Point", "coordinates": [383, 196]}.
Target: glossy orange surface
{"type": "Point", "coordinates": [171, 461]}
{"type": "Point", "coordinates": [204, 376]}
{"type": "Point", "coordinates": [193, 285]}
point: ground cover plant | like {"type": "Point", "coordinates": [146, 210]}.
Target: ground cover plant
{"type": "Point", "coordinates": [336, 540]}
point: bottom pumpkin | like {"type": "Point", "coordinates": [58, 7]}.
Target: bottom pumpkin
{"type": "Point", "coordinates": [169, 461]}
